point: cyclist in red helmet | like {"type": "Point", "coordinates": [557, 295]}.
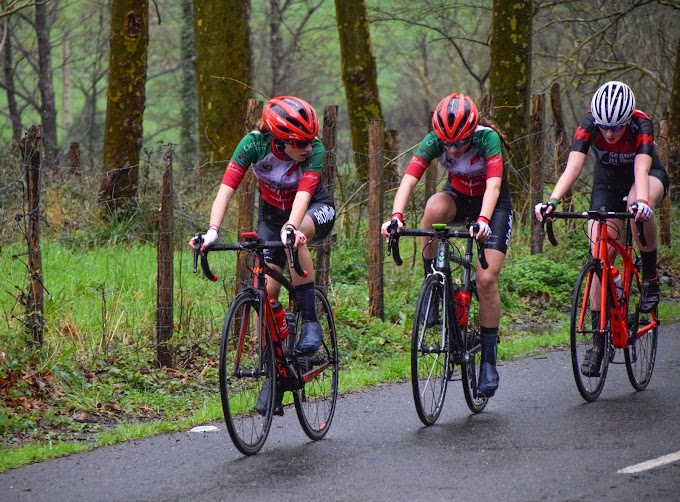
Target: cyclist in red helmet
{"type": "Point", "coordinates": [477, 188]}
{"type": "Point", "coordinates": [286, 158]}
{"type": "Point", "coordinates": [627, 170]}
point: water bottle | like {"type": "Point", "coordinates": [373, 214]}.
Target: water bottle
{"type": "Point", "coordinates": [462, 307]}
{"type": "Point", "coordinates": [280, 318]}
{"type": "Point", "coordinates": [618, 282]}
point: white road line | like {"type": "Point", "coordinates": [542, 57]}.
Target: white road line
{"type": "Point", "coordinates": [650, 464]}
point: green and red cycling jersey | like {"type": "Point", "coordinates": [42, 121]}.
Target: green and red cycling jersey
{"type": "Point", "coordinates": [278, 177]}
{"type": "Point", "coordinates": [468, 172]}
{"type": "Point", "coordinates": [638, 138]}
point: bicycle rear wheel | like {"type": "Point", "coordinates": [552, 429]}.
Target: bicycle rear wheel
{"type": "Point", "coordinates": [473, 348]}
{"type": "Point", "coordinates": [315, 402]}
{"type": "Point", "coordinates": [430, 350]}
{"type": "Point", "coordinates": [640, 355]}
{"type": "Point", "coordinates": [245, 366]}
{"type": "Point", "coordinates": [585, 335]}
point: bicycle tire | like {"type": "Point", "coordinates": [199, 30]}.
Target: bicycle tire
{"type": "Point", "coordinates": [244, 367]}
{"type": "Point", "coordinates": [473, 347]}
{"type": "Point", "coordinates": [430, 350]}
{"type": "Point", "coordinates": [640, 355]}
{"type": "Point", "coordinates": [315, 402]}
{"type": "Point", "coordinates": [582, 340]}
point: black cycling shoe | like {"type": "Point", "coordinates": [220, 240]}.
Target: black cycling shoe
{"type": "Point", "coordinates": [650, 295]}
{"type": "Point", "coordinates": [488, 380]}
{"type": "Point", "coordinates": [261, 405]}
{"type": "Point", "coordinates": [488, 374]}
{"type": "Point", "coordinates": [310, 339]}
{"type": "Point", "coordinates": [593, 358]}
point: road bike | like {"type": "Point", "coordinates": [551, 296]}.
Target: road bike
{"type": "Point", "coordinates": [606, 319]}
{"type": "Point", "coordinates": [257, 351]}
{"type": "Point", "coordinates": [446, 321]}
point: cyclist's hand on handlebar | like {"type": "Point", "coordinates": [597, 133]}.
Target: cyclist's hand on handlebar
{"type": "Point", "coordinates": [543, 209]}
{"type": "Point", "coordinates": [208, 238]}
{"type": "Point", "coordinates": [290, 232]}
{"type": "Point", "coordinates": [484, 230]}
{"type": "Point", "coordinates": [395, 223]}
{"type": "Point", "coordinates": [642, 210]}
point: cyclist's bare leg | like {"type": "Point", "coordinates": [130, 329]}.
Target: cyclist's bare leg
{"type": "Point", "coordinates": [487, 288]}
{"type": "Point", "coordinates": [615, 229]}
{"type": "Point", "coordinates": [656, 193]}
{"type": "Point", "coordinates": [489, 317]}
{"type": "Point", "coordinates": [440, 208]}
{"type": "Point", "coordinates": [648, 253]}
{"type": "Point", "coordinates": [311, 335]}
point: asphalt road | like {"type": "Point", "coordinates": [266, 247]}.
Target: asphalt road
{"type": "Point", "coordinates": [536, 440]}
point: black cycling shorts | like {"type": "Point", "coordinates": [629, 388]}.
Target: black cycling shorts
{"type": "Point", "coordinates": [467, 209]}
{"type": "Point", "coordinates": [271, 219]}
{"type": "Point", "coordinates": [610, 195]}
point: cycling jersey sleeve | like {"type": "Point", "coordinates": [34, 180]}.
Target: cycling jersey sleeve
{"type": "Point", "coordinates": [311, 168]}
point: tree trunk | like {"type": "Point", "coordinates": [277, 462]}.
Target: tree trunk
{"type": "Point", "coordinates": [510, 81]}
{"type": "Point", "coordinates": [674, 131]}
{"type": "Point", "coordinates": [13, 108]}
{"type": "Point", "coordinates": [277, 51]}
{"type": "Point", "coordinates": [124, 105]}
{"type": "Point", "coordinates": [223, 72]}
{"type": "Point", "coordinates": [359, 74]}
{"type": "Point", "coordinates": [48, 111]}
{"type": "Point", "coordinates": [189, 112]}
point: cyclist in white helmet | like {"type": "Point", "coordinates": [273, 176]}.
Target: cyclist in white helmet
{"type": "Point", "coordinates": [626, 165]}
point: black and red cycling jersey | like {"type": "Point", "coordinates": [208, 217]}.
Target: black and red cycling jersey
{"type": "Point", "coordinates": [638, 138]}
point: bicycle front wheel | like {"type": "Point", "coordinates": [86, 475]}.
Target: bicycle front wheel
{"type": "Point", "coordinates": [247, 383]}
{"type": "Point", "coordinates": [643, 332]}
{"type": "Point", "coordinates": [430, 350]}
{"type": "Point", "coordinates": [589, 347]}
{"type": "Point", "coordinates": [473, 350]}
{"type": "Point", "coordinates": [315, 402]}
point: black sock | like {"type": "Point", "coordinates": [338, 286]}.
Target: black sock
{"type": "Point", "coordinates": [648, 265]}
{"type": "Point", "coordinates": [489, 349]}
{"type": "Point", "coordinates": [306, 301]}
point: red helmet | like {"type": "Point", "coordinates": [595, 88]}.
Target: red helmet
{"type": "Point", "coordinates": [290, 119]}
{"type": "Point", "coordinates": [455, 118]}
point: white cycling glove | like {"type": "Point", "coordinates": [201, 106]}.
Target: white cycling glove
{"type": "Point", "coordinates": [209, 237]}
{"type": "Point", "coordinates": [484, 228]}
{"type": "Point", "coordinates": [385, 228]}
{"type": "Point", "coordinates": [542, 207]}
{"type": "Point", "coordinates": [643, 210]}
{"type": "Point", "coordinates": [300, 238]}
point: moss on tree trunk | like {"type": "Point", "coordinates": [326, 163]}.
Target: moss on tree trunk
{"type": "Point", "coordinates": [223, 72]}
{"type": "Point", "coordinates": [125, 105]}
{"type": "Point", "coordinates": [359, 74]}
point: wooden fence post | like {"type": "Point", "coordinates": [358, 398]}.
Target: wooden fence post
{"type": "Point", "coordinates": [329, 136]}
{"type": "Point", "coordinates": [164, 267]}
{"type": "Point", "coordinates": [376, 143]}
{"type": "Point", "coordinates": [246, 197]}
{"type": "Point", "coordinates": [561, 149]}
{"type": "Point", "coordinates": [666, 212]}
{"type": "Point", "coordinates": [536, 167]}
{"type": "Point", "coordinates": [31, 154]}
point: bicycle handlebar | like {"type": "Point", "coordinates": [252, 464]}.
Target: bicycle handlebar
{"type": "Point", "coordinates": [447, 233]}
{"type": "Point", "coordinates": [248, 245]}
{"type": "Point", "coordinates": [599, 215]}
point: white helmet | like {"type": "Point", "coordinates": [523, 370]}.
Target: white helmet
{"type": "Point", "coordinates": [613, 104]}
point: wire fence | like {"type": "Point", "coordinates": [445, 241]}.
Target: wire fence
{"type": "Point", "coordinates": [101, 278]}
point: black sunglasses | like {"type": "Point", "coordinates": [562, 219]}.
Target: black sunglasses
{"type": "Point", "coordinates": [458, 144]}
{"type": "Point", "coordinates": [614, 128]}
{"type": "Point", "coordinates": [300, 145]}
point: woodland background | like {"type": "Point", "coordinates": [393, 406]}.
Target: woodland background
{"type": "Point", "coordinates": [123, 83]}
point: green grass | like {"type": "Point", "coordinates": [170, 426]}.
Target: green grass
{"type": "Point", "coordinates": [97, 368]}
